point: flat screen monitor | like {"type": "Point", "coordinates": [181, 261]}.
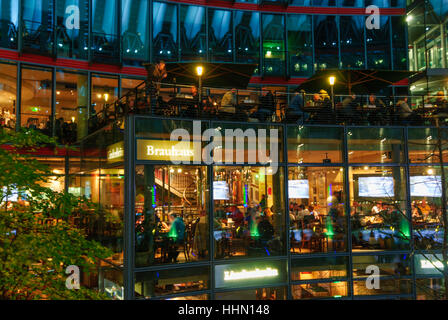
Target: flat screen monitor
{"type": "Point", "coordinates": [220, 190]}
{"type": "Point", "coordinates": [376, 187]}
{"type": "Point", "coordinates": [298, 189]}
{"type": "Point", "coordinates": [426, 186]}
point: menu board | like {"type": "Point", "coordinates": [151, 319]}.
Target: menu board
{"type": "Point", "coordinates": [298, 189]}
{"type": "Point", "coordinates": [220, 190]}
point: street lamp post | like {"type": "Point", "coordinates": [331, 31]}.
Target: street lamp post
{"type": "Point", "coordinates": [199, 72]}
{"type": "Point", "coordinates": [332, 80]}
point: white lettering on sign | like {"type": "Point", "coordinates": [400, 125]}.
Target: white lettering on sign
{"type": "Point", "coordinates": [115, 153]}
{"type": "Point", "coordinates": [72, 21]}
{"type": "Point", "coordinates": [253, 274]}
{"type": "Point", "coordinates": [151, 151]}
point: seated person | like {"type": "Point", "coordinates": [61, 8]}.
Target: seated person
{"type": "Point", "coordinates": [176, 233]}
{"type": "Point", "coordinates": [209, 109]}
{"type": "Point", "coordinates": [294, 112]}
{"type": "Point", "coordinates": [375, 117]}
{"type": "Point", "coordinates": [267, 106]}
{"type": "Point", "coordinates": [228, 102]}
{"type": "Point", "coordinates": [193, 109]}
{"type": "Point", "coordinates": [349, 109]}
{"type": "Point", "coordinates": [405, 113]}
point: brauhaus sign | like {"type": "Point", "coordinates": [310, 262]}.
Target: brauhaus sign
{"type": "Point", "coordinates": [249, 146]}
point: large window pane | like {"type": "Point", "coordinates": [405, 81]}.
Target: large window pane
{"type": "Point", "coordinates": [36, 98]}
{"type": "Point", "coordinates": [37, 17]}
{"type": "Point", "coordinates": [164, 31]}
{"type": "Point", "coordinates": [72, 39]}
{"type": "Point", "coordinates": [134, 30]}
{"type": "Point", "coordinates": [249, 217]}
{"type": "Point", "coordinates": [380, 145]}
{"type": "Point", "coordinates": [319, 268]}
{"type": "Point", "coordinates": [426, 200]}
{"type": "Point", "coordinates": [326, 42]}
{"type": "Point", "coordinates": [254, 294]}
{"type": "Point", "coordinates": [378, 45]}
{"type": "Point", "coordinates": [71, 106]}
{"type": "Point", "coordinates": [378, 208]}
{"type": "Point", "coordinates": [104, 91]}
{"type": "Point", "coordinates": [193, 34]}
{"type": "Point", "coordinates": [220, 35]}
{"type": "Point", "coordinates": [273, 44]}
{"type": "Point", "coordinates": [324, 290]}
{"type": "Point", "coordinates": [247, 36]}
{"type": "Point", "coordinates": [352, 42]}
{"type": "Point", "coordinates": [316, 209]}
{"type": "Point", "coordinates": [300, 45]}
{"type": "Point", "coordinates": [314, 144]}
{"type": "Point", "coordinates": [9, 23]}
{"type": "Point", "coordinates": [105, 41]}
{"type": "Point", "coordinates": [171, 215]}
{"type": "Point", "coordinates": [399, 43]}
{"type": "Point", "coordinates": [422, 145]}
{"type": "Point", "coordinates": [8, 96]}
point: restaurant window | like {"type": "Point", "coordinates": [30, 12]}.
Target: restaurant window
{"type": "Point", "coordinates": [164, 31]}
{"type": "Point", "coordinates": [171, 215]}
{"type": "Point", "coordinates": [378, 208]}
{"type": "Point", "coordinates": [276, 293]}
{"type": "Point", "coordinates": [37, 23]}
{"type": "Point", "coordinates": [185, 298]}
{"type": "Point", "coordinates": [314, 144]}
{"type": "Point", "coordinates": [37, 85]}
{"type": "Point", "coordinates": [247, 36]}
{"type": "Point", "coordinates": [375, 145]}
{"type": "Point", "coordinates": [105, 46]}
{"type": "Point", "coordinates": [300, 44]}
{"type": "Point", "coordinates": [134, 31]}
{"type": "Point", "coordinates": [378, 45]}
{"type": "Point", "coordinates": [249, 218]}
{"type": "Point", "coordinates": [273, 44]}
{"type": "Point", "coordinates": [319, 268]}
{"type": "Point", "coordinates": [71, 106]}
{"type": "Point", "coordinates": [387, 287]}
{"type": "Point", "coordinates": [316, 209]}
{"type": "Point", "coordinates": [399, 43]}
{"type": "Point", "coordinates": [72, 40]}
{"type": "Point", "coordinates": [352, 42]}
{"type": "Point", "coordinates": [321, 290]}
{"type": "Point", "coordinates": [110, 281]}
{"type": "Point", "coordinates": [104, 92]}
{"type": "Point", "coordinates": [326, 49]}
{"type": "Point", "coordinates": [220, 35]}
{"type": "Point", "coordinates": [193, 35]}
{"type": "Point", "coordinates": [175, 281]}
{"type": "Point", "coordinates": [390, 266]}
{"type": "Point", "coordinates": [422, 145]}
{"type": "Point", "coordinates": [426, 201]}
{"type": "Point", "coordinates": [8, 103]}
{"type": "Point", "coordinates": [9, 25]}
{"type": "Point", "coordinates": [129, 84]}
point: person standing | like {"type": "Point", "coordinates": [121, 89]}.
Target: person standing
{"type": "Point", "coordinates": [156, 73]}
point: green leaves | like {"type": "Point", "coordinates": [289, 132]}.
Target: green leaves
{"type": "Point", "coordinates": [38, 238]}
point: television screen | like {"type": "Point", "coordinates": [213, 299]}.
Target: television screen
{"type": "Point", "coordinates": [298, 189]}
{"type": "Point", "coordinates": [426, 186]}
{"type": "Point", "coordinates": [220, 190]}
{"type": "Point", "coordinates": [376, 187]}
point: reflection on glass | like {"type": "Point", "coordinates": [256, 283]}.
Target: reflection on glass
{"type": "Point", "coordinates": [254, 294]}
{"type": "Point", "coordinates": [220, 35]}
{"type": "Point", "coordinates": [300, 44]}
{"type": "Point", "coordinates": [247, 36]}
{"type": "Point", "coordinates": [316, 209]}
{"type": "Point", "coordinates": [422, 145]}
{"type": "Point", "coordinates": [395, 266]}
{"type": "Point", "coordinates": [104, 38]}
{"type": "Point", "coordinates": [375, 145]}
{"type": "Point", "coordinates": [326, 42]}
{"type": "Point", "coordinates": [8, 96]}
{"type": "Point", "coordinates": [429, 289]}
{"type": "Point", "coordinates": [72, 41]}
{"type": "Point", "coordinates": [111, 282]}
{"type": "Point", "coordinates": [171, 215]}
{"type": "Point", "coordinates": [104, 91]}
{"type": "Point", "coordinates": [426, 201]}
{"type": "Point", "coordinates": [36, 99]}
{"type": "Point", "coordinates": [192, 32]}
{"type": "Point", "coordinates": [378, 45]}
{"type": "Point", "coordinates": [37, 23]}
{"type": "Point", "coordinates": [399, 46]}
{"type": "Point", "coordinates": [388, 286]}
{"type": "Point", "coordinates": [319, 268]}
{"type": "Point", "coordinates": [273, 44]}
{"type": "Point", "coordinates": [378, 214]}
{"type": "Point", "coordinates": [134, 30]}
{"type": "Point", "coordinates": [320, 290]}
{"type": "Point", "coordinates": [197, 297]}
{"type": "Point", "coordinates": [164, 31]}
{"type": "Point", "coordinates": [249, 217]}
{"type": "Point", "coordinates": [9, 17]}
{"type": "Point", "coordinates": [314, 145]}
{"type": "Point", "coordinates": [165, 282]}
{"type": "Point", "coordinates": [352, 41]}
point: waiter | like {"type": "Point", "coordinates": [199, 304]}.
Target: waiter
{"type": "Point", "coordinates": [156, 73]}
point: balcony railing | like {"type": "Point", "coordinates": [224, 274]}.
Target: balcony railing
{"type": "Point", "coordinates": [278, 107]}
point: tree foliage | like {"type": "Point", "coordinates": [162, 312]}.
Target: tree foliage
{"type": "Point", "coordinates": [38, 237]}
